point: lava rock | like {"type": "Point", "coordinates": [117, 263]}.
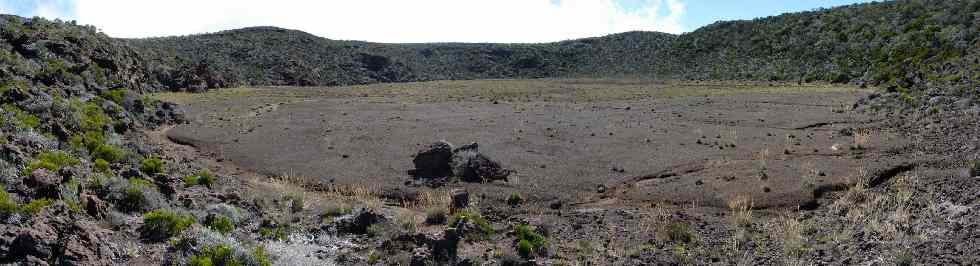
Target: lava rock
{"type": "Point", "coordinates": [359, 221]}
{"type": "Point", "coordinates": [433, 161]}
{"type": "Point", "coordinates": [472, 166]}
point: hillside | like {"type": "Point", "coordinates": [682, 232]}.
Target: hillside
{"type": "Point", "coordinates": [900, 44]}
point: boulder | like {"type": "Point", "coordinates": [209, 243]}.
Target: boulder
{"type": "Point", "coordinates": [433, 162]}
{"type": "Point", "coordinates": [359, 221]}
{"type": "Point", "coordinates": [472, 166]}
{"type": "Point", "coordinates": [44, 182]}
{"type": "Point", "coordinates": [38, 240]}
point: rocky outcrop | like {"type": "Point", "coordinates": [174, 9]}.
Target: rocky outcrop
{"type": "Point", "coordinates": [440, 161]}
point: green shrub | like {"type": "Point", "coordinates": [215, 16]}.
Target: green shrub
{"type": "Point", "coordinates": [52, 161]}
{"type": "Point", "coordinates": [472, 217]}
{"type": "Point", "coordinates": [515, 199]}
{"type": "Point", "coordinates": [108, 153]}
{"type": "Point", "coordinates": [151, 166]}
{"type": "Point", "coordinates": [679, 232]}
{"type": "Point", "coordinates": [279, 233]}
{"type": "Point", "coordinates": [219, 255]}
{"type": "Point", "coordinates": [115, 95]}
{"type": "Point", "coordinates": [204, 178]}
{"type": "Point", "coordinates": [524, 248]}
{"type": "Point", "coordinates": [134, 196]}
{"type": "Point", "coordinates": [7, 205]}
{"type": "Point", "coordinates": [163, 224]}
{"type": "Point", "coordinates": [219, 223]}
{"type": "Point", "coordinates": [35, 206]}
{"type": "Point", "coordinates": [101, 165]}
{"type": "Point", "coordinates": [533, 240]}
{"type": "Point", "coordinates": [22, 119]}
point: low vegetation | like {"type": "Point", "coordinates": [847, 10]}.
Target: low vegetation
{"type": "Point", "coordinates": [163, 224]}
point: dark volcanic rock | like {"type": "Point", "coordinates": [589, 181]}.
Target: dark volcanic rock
{"type": "Point", "coordinates": [434, 161]}
{"type": "Point", "coordinates": [472, 166]}
{"type": "Point", "coordinates": [359, 221]}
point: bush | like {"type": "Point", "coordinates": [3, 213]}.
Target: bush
{"type": "Point", "coordinates": [151, 166]}
{"type": "Point", "coordinates": [534, 241]}
{"type": "Point", "coordinates": [115, 95]}
{"type": "Point", "coordinates": [22, 119]}
{"type": "Point", "coordinates": [101, 166]}
{"type": "Point", "coordinates": [679, 232]}
{"type": "Point", "coordinates": [162, 224]}
{"type": "Point", "coordinates": [278, 233]}
{"type": "Point", "coordinates": [203, 178]}
{"type": "Point", "coordinates": [213, 256]}
{"type": "Point", "coordinates": [52, 161]}
{"type": "Point", "coordinates": [108, 153]}
{"type": "Point", "coordinates": [134, 196]}
{"type": "Point", "coordinates": [474, 218]}
{"type": "Point", "coordinates": [35, 206]}
{"type": "Point", "coordinates": [7, 205]}
{"type": "Point", "coordinates": [219, 223]}
{"type": "Point", "coordinates": [524, 248]}
{"type": "Point", "coordinates": [515, 199]}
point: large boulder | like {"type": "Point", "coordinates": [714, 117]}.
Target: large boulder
{"type": "Point", "coordinates": [472, 166]}
{"type": "Point", "coordinates": [433, 162]}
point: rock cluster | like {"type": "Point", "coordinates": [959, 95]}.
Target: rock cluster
{"type": "Point", "coordinates": [440, 161]}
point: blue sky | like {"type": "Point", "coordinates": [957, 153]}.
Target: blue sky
{"type": "Point", "coordinates": [410, 21]}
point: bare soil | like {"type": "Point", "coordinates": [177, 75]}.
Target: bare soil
{"type": "Point", "coordinates": [662, 142]}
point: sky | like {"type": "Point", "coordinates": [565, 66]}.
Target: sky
{"type": "Point", "coordinates": [409, 21]}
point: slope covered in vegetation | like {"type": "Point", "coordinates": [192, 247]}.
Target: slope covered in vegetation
{"type": "Point", "coordinates": [900, 44]}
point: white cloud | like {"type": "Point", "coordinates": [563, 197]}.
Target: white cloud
{"type": "Point", "coordinates": [385, 20]}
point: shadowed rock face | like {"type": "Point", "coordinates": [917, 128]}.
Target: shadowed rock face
{"type": "Point", "coordinates": [472, 166]}
{"type": "Point", "coordinates": [433, 162]}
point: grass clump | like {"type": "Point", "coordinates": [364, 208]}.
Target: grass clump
{"type": "Point", "coordinates": [219, 255]}
{"type": "Point", "coordinates": [115, 95]}
{"type": "Point", "coordinates": [469, 216]}
{"type": "Point", "coordinates": [7, 205]}
{"type": "Point", "coordinates": [515, 199]}
{"type": "Point", "coordinates": [100, 165]}
{"type": "Point", "coordinates": [22, 119]}
{"type": "Point", "coordinates": [678, 232]}
{"type": "Point", "coordinates": [436, 216]}
{"type": "Point", "coordinates": [152, 166]}
{"type": "Point", "coordinates": [35, 206]}
{"type": "Point", "coordinates": [219, 223]}
{"type": "Point", "coordinates": [52, 161]}
{"type": "Point", "coordinates": [274, 232]}
{"type": "Point", "coordinates": [204, 178]}
{"type": "Point", "coordinates": [163, 224]}
{"type": "Point", "coordinates": [529, 240]}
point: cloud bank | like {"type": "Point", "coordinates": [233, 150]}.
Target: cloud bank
{"type": "Point", "coordinates": [378, 20]}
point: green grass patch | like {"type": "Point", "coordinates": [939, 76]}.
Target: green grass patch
{"type": "Point", "coordinates": [204, 178]}
{"type": "Point", "coordinates": [219, 223]}
{"type": "Point", "coordinates": [529, 240]}
{"type": "Point", "coordinates": [52, 161]}
{"type": "Point", "coordinates": [163, 224]}
{"type": "Point", "coordinates": [7, 205]}
{"type": "Point", "coordinates": [22, 119]}
{"type": "Point", "coordinates": [152, 166]}
{"type": "Point", "coordinates": [35, 206]}
{"type": "Point", "coordinates": [474, 218]}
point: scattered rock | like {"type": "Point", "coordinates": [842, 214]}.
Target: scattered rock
{"type": "Point", "coordinates": [359, 221]}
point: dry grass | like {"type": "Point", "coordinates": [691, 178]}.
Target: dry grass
{"type": "Point", "coordinates": [741, 208]}
{"type": "Point", "coordinates": [862, 138]}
